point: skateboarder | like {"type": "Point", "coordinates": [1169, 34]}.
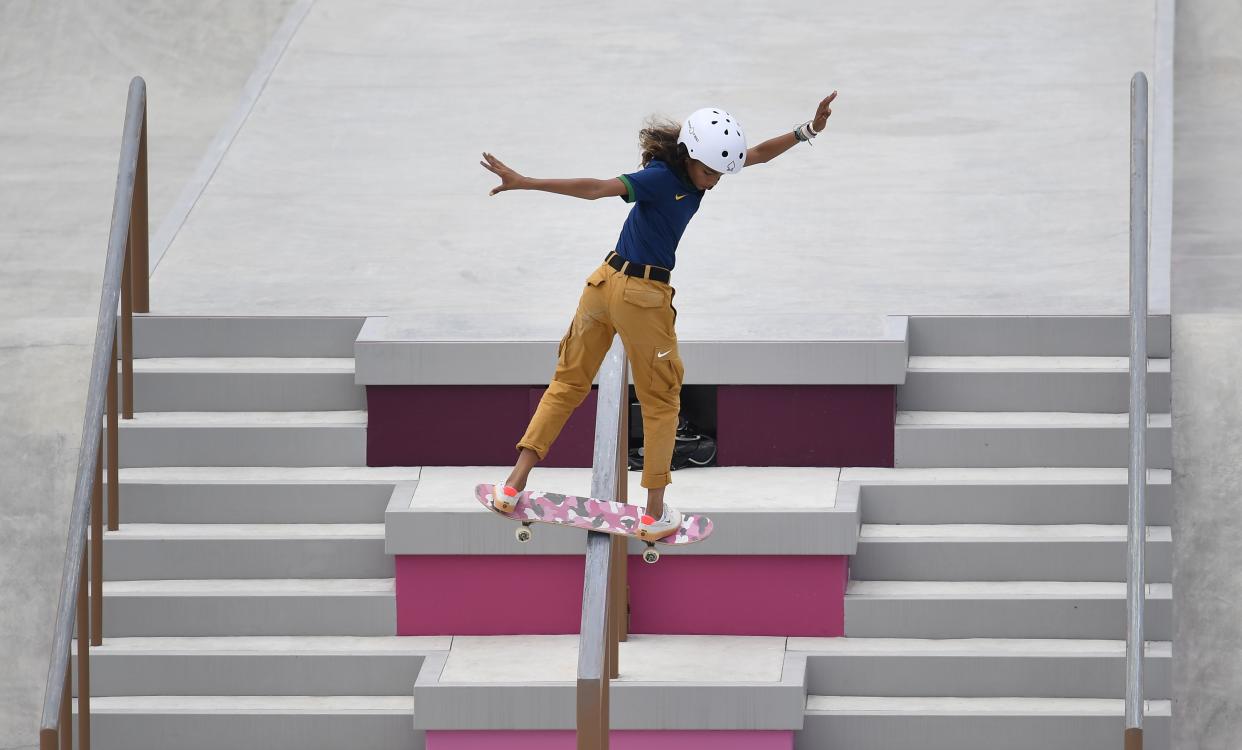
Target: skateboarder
{"type": "Point", "coordinates": [630, 293]}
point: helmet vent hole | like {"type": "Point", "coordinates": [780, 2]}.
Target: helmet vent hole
{"type": "Point", "coordinates": [715, 121]}
{"type": "Point", "coordinates": [726, 132]}
{"type": "Point", "coordinates": [725, 154]}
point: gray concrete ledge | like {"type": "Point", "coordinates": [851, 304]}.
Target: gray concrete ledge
{"type": "Point", "coordinates": [763, 511]}
{"type": "Point", "coordinates": [665, 682]}
{"type": "Point", "coordinates": [463, 349]}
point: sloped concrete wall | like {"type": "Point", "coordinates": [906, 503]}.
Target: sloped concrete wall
{"type": "Point", "coordinates": [1207, 387]}
{"type": "Point", "coordinates": [64, 71]}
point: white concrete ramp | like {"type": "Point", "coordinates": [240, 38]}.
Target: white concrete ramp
{"type": "Point", "coordinates": [976, 161]}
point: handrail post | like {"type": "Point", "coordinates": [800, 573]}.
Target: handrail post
{"type": "Point", "coordinates": [138, 224]}
{"type": "Point", "coordinates": [1137, 535]}
{"type": "Point", "coordinates": [114, 443]}
{"type": "Point", "coordinates": [66, 710]}
{"type": "Point", "coordinates": [127, 335]}
{"type": "Point", "coordinates": [84, 655]}
{"type": "Point", "coordinates": [97, 548]}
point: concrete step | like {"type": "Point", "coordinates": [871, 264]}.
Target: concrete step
{"type": "Point", "coordinates": [285, 722]}
{"type": "Point", "coordinates": [665, 683]}
{"type": "Point", "coordinates": [993, 552]}
{"type": "Point", "coordinates": [246, 384]}
{"type": "Point", "coordinates": [1033, 335]}
{"type": "Point", "coordinates": [259, 494]}
{"type": "Point", "coordinates": [1034, 495]}
{"type": "Point", "coordinates": [271, 665]}
{"type": "Point", "coordinates": [1000, 609]}
{"type": "Point", "coordinates": [1011, 439]}
{"type": "Point", "coordinates": [244, 336]}
{"type": "Point", "coordinates": [979, 667]}
{"type": "Point", "coordinates": [328, 438]}
{"type": "Point", "coordinates": [875, 723]}
{"type": "Point", "coordinates": [1063, 384]}
{"type": "Point", "coordinates": [250, 607]}
{"type": "Point", "coordinates": [141, 551]}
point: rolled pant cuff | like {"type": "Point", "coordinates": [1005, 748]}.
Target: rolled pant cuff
{"type": "Point", "coordinates": [541, 453]}
{"type": "Point", "coordinates": [656, 481]}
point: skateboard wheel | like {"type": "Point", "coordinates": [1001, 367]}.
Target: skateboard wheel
{"type": "Point", "coordinates": [523, 534]}
{"type": "Point", "coordinates": [651, 556]}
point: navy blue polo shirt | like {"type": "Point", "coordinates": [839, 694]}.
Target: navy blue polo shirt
{"type": "Point", "coordinates": [663, 205]}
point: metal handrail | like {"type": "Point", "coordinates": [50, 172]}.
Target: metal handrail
{"type": "Point", "coordinates": [1137, 536]}
{"type": "Point", "coordinates": [127, 250]}
{"type": "Point", "coordinates": [603, 588]}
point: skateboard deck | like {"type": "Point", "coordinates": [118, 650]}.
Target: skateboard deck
{"type": "Point", "coordinates": [588, 513]}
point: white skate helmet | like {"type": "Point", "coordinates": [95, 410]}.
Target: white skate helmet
{"type": "Point", "coordinates": [713, 137]}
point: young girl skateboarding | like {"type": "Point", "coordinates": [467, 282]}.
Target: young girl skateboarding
{"type": "Point", "coordinates": [630, 293]}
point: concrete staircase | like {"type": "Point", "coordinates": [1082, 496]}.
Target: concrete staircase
{"type": "Point", "coordinates": [248, 601]}
{"type": "Point", "coordinates": [987, 598]}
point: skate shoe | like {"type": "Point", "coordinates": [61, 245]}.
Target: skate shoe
{"type": "Point", "coordinates": [504, 497]}
{"type": "Point", "coordinates": [652, 529]}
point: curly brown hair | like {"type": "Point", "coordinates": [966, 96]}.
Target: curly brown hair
{"type": "Point", "coordinates": [658, 140]}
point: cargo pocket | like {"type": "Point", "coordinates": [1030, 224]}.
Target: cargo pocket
{"type": "Point", "coordinates": [641, 296]}
{"type": "Point", "coordinates": [560, 349]}
{"type": "Point", "coordinates": [667, 371]}
{"type": "Point", "coordinates": [598, 276]}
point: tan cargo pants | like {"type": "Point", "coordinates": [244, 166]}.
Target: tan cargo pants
{"type": "Point", "coordinates": [642, 311]}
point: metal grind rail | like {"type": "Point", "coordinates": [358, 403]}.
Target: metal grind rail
{"type": "Point", "coordinates": [604, 597]}
{"type": "Point", "coordinates": [1136, 581]}
{"type": "Point", "coordinates": [125, 281]}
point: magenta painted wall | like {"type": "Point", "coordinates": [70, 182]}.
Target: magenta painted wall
{"type": "Point", "coordinates": [790, 595]}
{"type": "Point", "coordinates": [805, 425]}
{"type": "Point", "coordinates": [756, 425]}
{"type": "Point", "coordinates": [463, 595]}
{"type": "Point", "coordinates": [783, 595]}
{"type": "Point", "coordinates": [617, 740]}
{"type": "Point", "coordinates": [443, 425]}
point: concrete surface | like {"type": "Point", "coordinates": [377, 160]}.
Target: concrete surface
{"type": "Point", "coordinates": [777, 488]}
{"type": "Point", "coordinates": [64, 71]}
{"type": "Point", "coordinates": [975, 164]}
{"type": "Point", "coordinates": [1207, 398]}
{"type": "Point", "coordinates": [976, 160]}
{"type": "Point", "coordinates": [643, 658]}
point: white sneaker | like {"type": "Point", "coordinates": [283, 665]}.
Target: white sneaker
{"type": "Point", "coordinates": [504, 497]}
{"type": "Point", "coordinates": [668, 523]}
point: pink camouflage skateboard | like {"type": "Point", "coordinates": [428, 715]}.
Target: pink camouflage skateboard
{"type": "Point", "coordinates": [592, 515]}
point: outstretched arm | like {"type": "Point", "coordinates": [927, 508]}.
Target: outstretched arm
{"type": "Point", "coordinates": [774, 147]}
{"type": "Point", "coordinates": [585, 187]}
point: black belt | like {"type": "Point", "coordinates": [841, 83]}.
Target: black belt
{"type": "Point", "coordinates": [642, 270]}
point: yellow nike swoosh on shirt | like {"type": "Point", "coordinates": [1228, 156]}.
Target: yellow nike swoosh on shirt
{"type": "Point", "coordinates": [678, 197]}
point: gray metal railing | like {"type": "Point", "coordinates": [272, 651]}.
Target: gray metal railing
{"type": "Point", "coordinates": [1135, 576]}
{"type": "Point", "coordinates": [125, 281]}
{"type": "Point", "coordinates": [603, 590]}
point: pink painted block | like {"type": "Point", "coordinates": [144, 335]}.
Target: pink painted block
{"type": "Point", "coordinates": [782, 595]}
{"type": "Point", "coordinates": [790, 595]}
{"type": "Point", "coordinates": [463, 595]}
{"type": "Point", "coordinates": [617, 740]}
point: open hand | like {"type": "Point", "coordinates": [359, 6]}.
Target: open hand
{"type": "Point", "coordinates": [509, 180]}
{"type": "Point", "coordinates": [823, 112]}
